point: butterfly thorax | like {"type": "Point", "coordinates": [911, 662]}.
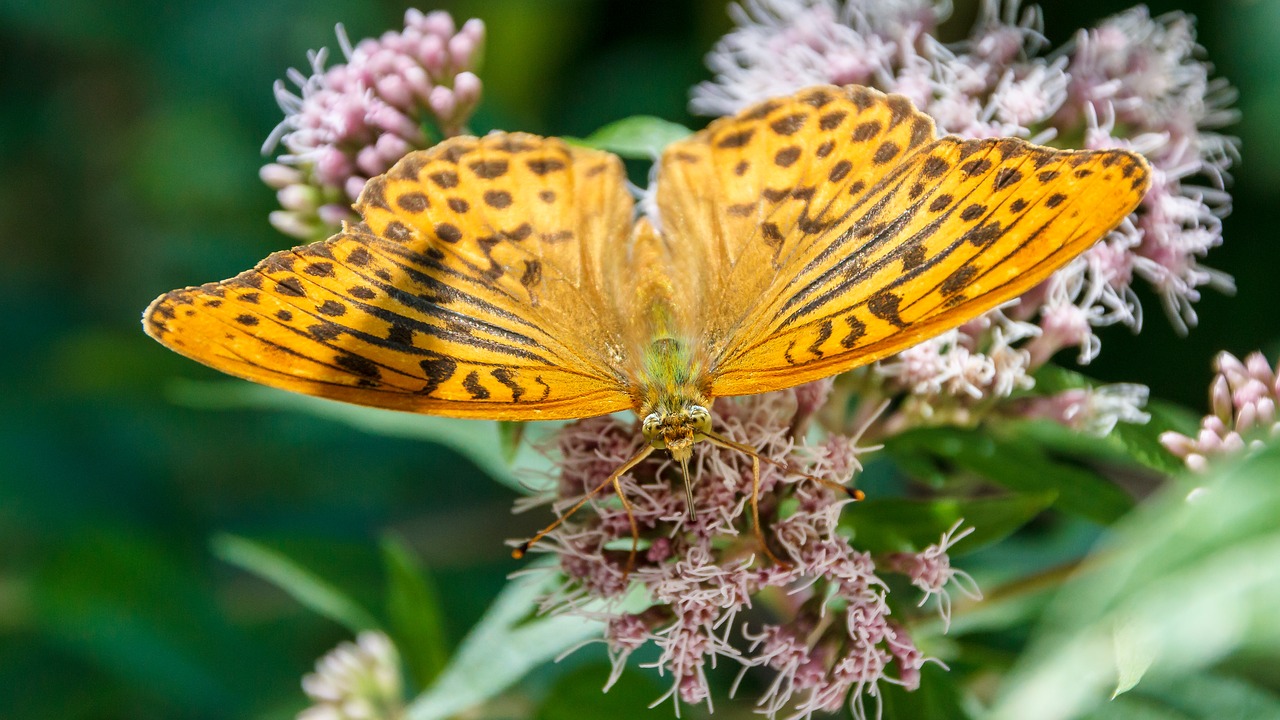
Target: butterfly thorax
{"type": "Point", "coordinates": [673, 401]}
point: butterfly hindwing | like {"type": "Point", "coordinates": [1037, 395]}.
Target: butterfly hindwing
{"type": "Point", "coordinates": [473, 288]}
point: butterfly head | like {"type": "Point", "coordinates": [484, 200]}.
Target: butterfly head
{"type": "Point", "coordinates": [676, 432]}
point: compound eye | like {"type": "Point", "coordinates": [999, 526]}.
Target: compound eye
{"type": "Point", "coordinates": [650, 425]}
{"type": "Point", "coordinates": [700, 417]}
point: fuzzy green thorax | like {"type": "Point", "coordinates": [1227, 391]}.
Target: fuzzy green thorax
{"type": "Point", "coordinates": [673, 403]}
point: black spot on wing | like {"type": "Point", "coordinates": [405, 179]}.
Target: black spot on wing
{"type": "Point", "coordinates": [824, 333]}
{"type": "Point", "coordinates": [504, 376]}
{"type": "Point", "coordinates": [437, 369]}
{"type": "Point", "coordinates": [471, 383]}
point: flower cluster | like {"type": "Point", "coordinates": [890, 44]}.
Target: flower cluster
{"type": "Point", "coordinates": [1133, 82]}
{"type": "Point", "coordinates": [356, 681]}
{"type": "Point", "coordinates": [354, 120]}
{"type": "Point", "coordinates": [1243, 397]}
{"type": "Point", "coordinates": [830, 636]}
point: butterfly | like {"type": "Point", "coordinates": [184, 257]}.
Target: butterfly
{"type": "Point", "coordinates": [508, 277]}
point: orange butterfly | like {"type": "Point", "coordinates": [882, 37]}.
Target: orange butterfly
{"type": "Point", "coordinates": [507, 278]}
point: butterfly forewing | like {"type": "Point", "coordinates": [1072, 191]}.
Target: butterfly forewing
{"type": "Point", "coordinates": [875, 236]}
{"type": "Point", "coordinates": [474, 288]}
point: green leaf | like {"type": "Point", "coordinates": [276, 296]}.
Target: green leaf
{"type": "Point", "coordinates": [1133, 656]}
{"type": "Point", "coordinates": [480, 441]}
{"type": "Point", "coordinates": [578, 694]}
{"type": "Point", "coordinates": [1183, 585]}
{"type": "Point", "coordinates": [1052, 379]}
{"type": "Point", "coordinates": [937, 698]}
{"type": "Point", "coordinates": [1211, 695]}
{"type": "Point", "coordinates": [510, 433]}
{"type": "Point", "coordinates": [1142, 442]}
{"type": "Point", "coordinates": [413, 611]}
{"type": "Point", "coordinates": [896, 525]}
{"type": "Point", "coordinates": [1015, 460]}
{"type": "Point", "coordinates": [1198, 696]}
{"type": "Point", "coordinates": [505, 645]}
{"type": "Point", "coordinates": [640, 137]}
{"type": "Point", "coordinates": [303, 585]}
{"type": "Point", "coordinates": [1128, 444]}
{"type": "Point", "coordinates": [1135, 707]}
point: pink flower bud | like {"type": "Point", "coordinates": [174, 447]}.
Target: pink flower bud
{"type": "Point", "coordinates": [442, 103]}
{"type": "Point", "coordinates": [462, 50]}
{"type": "Point", "coordinates": [298, 198]}
{"type": "Point", "coordinates": [389, 40]}
{"type": "Point", "coordinates": [391, 148]}
{"type": "Point", "coordinates": [1177, 443]}
{"type": "Point", "coordinates": [1232, 442]}
{"type": "Point", "coordinates": [290, 224]}
{"type": "Point", "coordinates": [354, 186]}
{"type": "Point", "coordinates": [466, 89]}
{"type": "Point", "coordinates": [693, 689]}
{"type": "Point", "coordinates": [332, 166]}
{"type": "Point", "coordinates": [394, 90]}
{"type": "Point", "coordinates": [388, 119]}
{"type": "Point", "coordinates": [365, 48]}
{"type": "Point", "coordinates": [369, 161]}
{"type": "Point", "coordinates": [1228, 365]}
{"type": "Point", "coordinates": [1266, 410]}
{"type": "Point", "coordinates": [1209, 441]}
{"type": "Point", "coordinates": [279, 176]}
{"type": "Point", "coordinates": [418, 82]}
{"type": "Point", "coordinates": [1258, 368]}
{"type": "Point", "coordinates": [333, 214]}
{"type": "Point", "coordinates": [474, 29]}
{"type": "Point", "coordinates": [439, 23]}
{"type": "Point", "coordinates": [432, 54]}
{"type": "Point", "coordinates": [1246, 417]}
{"type": "Point", "coordinates": [1220, 399]}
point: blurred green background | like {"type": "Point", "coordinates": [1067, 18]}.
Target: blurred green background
{"type": "Point", "coordinates": [129, 138]}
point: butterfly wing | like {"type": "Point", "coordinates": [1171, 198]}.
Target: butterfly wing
{"type": "Point", "coordinates": [851, 233]}
{"type": "Point", "coordinates": [477, 285]}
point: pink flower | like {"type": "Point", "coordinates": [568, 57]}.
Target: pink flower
{"type": "Point", "coordinates": [358, 679]}
{"type": "Point", "coordinates": [1094, 410]}
{"type": "Point", "coordinates": [931, 571]}
{"type": "Point", "coordinates": [702, 572]}
{"type": "Point", "coordinates": [1133, 82]}
{"type": "Point", "coordinates": [354, 120]}
{"type": "Point", "coordinates": [1244, 398]}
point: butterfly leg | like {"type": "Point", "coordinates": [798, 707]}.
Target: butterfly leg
{"type": "Point", "coordinates": [614, 479]}
{"type": "Point", "coordinates": [755, 489]}
{"type": "Point", "coordinates": [755, 512]}
{"type": "Point", "coordinates": [724, 442]}
{"type": "Point", "coordinates": [631, 518]}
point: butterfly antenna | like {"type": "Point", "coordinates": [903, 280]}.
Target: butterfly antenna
{"type": "Point", "coordinates": [614, 479]}
{"type": "Point", "coordinates": [851, 493]}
